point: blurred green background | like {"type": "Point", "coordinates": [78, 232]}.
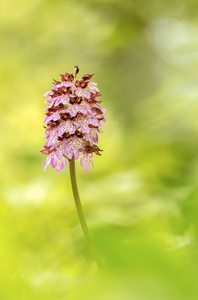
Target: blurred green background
{"type": "Point", "coordinates": [140, 200]}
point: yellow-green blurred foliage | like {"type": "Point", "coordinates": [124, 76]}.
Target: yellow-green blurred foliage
{"type": "Point", "coordinates": [141, 198]}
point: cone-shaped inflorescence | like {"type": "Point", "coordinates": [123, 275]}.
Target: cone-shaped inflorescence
{"type": "Point", "coordinates": [73, 120]}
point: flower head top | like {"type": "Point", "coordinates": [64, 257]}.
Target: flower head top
{"type": "Point", "coordinates": [73, 120]}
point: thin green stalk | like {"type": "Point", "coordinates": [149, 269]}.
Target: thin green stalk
{"type": "Point", "coordinates": [77, 200]}
{"type": "Point", "coordinates": [79, 208]}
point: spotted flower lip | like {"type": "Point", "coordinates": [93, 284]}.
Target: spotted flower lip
{"type": "Point", "coordinates": [73, 120]}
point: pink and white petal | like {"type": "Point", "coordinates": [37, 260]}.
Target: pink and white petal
{"type": "Point", "coordinates": [56, 160]}
{"type": "Point", "coordinates": [67, 150]}
{"type": "Point", "coordinates": [48, 119]}
{"type": "Point", "coordinates": [75, 108]}
{"type": "Point", "coordinates": [92, 86]}
{"type": "Point", "coordinates": [92, 136]}
{"type": "Point", "coordinates": [54, 87]}
{"type": "Point", "coordinates": [82, 126]}
{"type": "Point", "coordinates": [53, 162]}
{"type": "Point", "coordinates": [82, 93]}
{"type": "Point", "coordinates": [49, 100]}
{"type": "Point", "coordinates": [72, 110]}
{"type": "Point", "coordinates": [61, 163]}
{"type": "Point", "coordinates": [68, 84]}
{"type": "Point", "coordinates": [48, 93]}
{"type": "Point", "coordinates": [87, 95]}
{"type": "Point", "coordinates": [64, 99]}
{"type": "Point", "coordinates": [66, 126]}
{"type": "Point", "coordinates": [72, 147]}
{"type": "Point", "coordinates": [56, 116]}
{"type": "Point", "coordinates": [65, 84]}
{"type": "Point", "coordinates": [76, 153]}
{"type": "Point", "coordinates": [52, 137]}
{"type": "Point", "coordinates": [47, 162]}
{"type": "Point", "coordinates": [53, 117]}
{"type": "Point", "coordinates": [59, 85]}
{"type": "Point", "coordinates": [85, 161]}
{"type": "Point", "coordinates": [73, 88]}
{"type": "Point", "coordinates": [86, 107]}
{"type": "Point", "coordinates": [94, 122]}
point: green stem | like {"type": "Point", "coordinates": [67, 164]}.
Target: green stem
{"type": "Point", "coordinates": [80, 209]}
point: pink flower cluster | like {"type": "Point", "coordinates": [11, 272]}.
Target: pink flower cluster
{"type": "Point", "coordinates": [73, 120]}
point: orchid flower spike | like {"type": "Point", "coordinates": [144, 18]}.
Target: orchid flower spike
{"type": "Point", "coordinates": [73, 120]}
